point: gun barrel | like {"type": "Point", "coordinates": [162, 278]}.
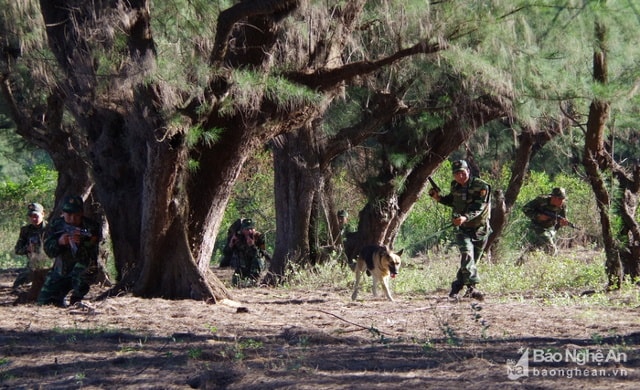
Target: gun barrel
{"type": "Point", "coordinates": [433, 184]}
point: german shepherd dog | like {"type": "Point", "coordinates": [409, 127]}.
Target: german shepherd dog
{"type": "Point", "coordinates": [381, 264]}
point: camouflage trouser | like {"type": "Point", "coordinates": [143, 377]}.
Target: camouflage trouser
{"type": "Point", "coordinates": [247, 269]}
{"type": "Point", "coordinates": [542, 238]}
{"type": "Point", "coordinates": [58, 284]}
{"type": "Point", "coordinates": [471, 243]}
{"type": "Point", "coordinates": [23, 277]}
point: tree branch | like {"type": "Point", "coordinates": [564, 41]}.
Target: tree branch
{"type": "Point", "coordinates": [323, 79]}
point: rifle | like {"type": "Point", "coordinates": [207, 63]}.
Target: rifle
{"type": "Point", "coordinates": [72, 231]}
{"type": "Point", "coordinates": [433, 184]}
{"type": "Point", "coordinates": [558, 217]}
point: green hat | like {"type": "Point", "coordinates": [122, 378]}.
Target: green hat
{"type": "Point", "coordinates": [247, 224]}
{"type": "Point", "coordinates": [35, 208]}
{"type": "Point", "coordinates": [460, 165]}
{"type": "Point", "coordinates": [559, 192]}
{"type": "Point", "coordinates": [343, 214]}
{"type": "Point", "coordinates": [73, 204]}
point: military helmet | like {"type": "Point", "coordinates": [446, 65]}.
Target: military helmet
{"type": "Point", "coordinates": [248, 224]}
{"type": "Point", "coordinates": [460, 165]}
{"type": "Point", "coordinates": [73, 204]}
{"type": "Point", "coordinates": [35, 208]}
{"type": "Point", "coordinates": [343, 214]}
{"type": "Point", "coordinates": [559, 192]}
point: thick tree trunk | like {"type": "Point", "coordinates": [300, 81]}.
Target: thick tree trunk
{"type": "Point", "coordinates": [296, 183]}
{"type": "Point", "coordinates": [138, 172]}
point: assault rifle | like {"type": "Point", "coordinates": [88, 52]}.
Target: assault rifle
{"type": "Point", "coordinates": [72, 231]}
{"type": "Point", "coordinates": [556, 216]}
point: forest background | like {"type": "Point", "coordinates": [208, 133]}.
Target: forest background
{"type": "Point", "coordinates": [506, 89]}
{"type": "Point", "coordinates": [174, 118]}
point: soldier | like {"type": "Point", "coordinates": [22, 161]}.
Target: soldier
{"type": "Point", "coordinates": [547, 213]}
{"type": "Point", "coordinates": [247, 251]}
{"type": "Point", "coordinates": [30, 244]}
{"type": "Point", "coordinates": [470, 200]}
{"type": "Point", "coordinates": [73, 242]}
{"type": "Point", "coordinates": [345, 228]}
{"type": "Point", "coordinates": [227, 253]}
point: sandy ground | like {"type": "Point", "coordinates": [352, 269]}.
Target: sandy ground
{"type": "Point", "coordinates": [297, 339]}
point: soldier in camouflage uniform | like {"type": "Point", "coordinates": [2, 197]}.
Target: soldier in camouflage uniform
{"type": "Point", "coordinates": [346, 230]}
{"type": "Point", "coordinates": [30, 244]}
{"type": "Point", "coordinates": [470, 200]}
{"type": "Point", "coordinates": [73, 241]}
{"type": "Point", "coordinates": [547, 214]}
{"type": "Point", "coordinates": [247, 251]}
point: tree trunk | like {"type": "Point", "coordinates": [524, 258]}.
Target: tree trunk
{"type": "Point", "coordinates": [630, 232]}
{"type": "Point", "coordinates": [595, 161]}
{"type": "Point", "coordinates": [296, 183]}
{"type": "Point", "coordinates": [138, 172]}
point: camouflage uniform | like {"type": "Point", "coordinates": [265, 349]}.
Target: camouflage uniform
{"type": "Point", "coordinates": [542, 234]}
{"type": "Point", "coordinates": [247, 260]}
{"type": "Point", "coordinates": [472, 201]}
{"type": "Point", "coordinates": [346, 230]}
{"type": "Point", "coordinates": [30, 244]}
{"type": "Point", "coordinates": [74, 269]}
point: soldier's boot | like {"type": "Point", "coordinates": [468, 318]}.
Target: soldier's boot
{"type": "Point", "coordinates": [235, 279]}
{"type": "Point", "coordinates": [456, 286]}
{"type": "Point", "coordinates": [474, 294]}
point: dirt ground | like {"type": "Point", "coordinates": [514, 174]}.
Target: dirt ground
{"type": "Point", "coordinates": [297, 339]}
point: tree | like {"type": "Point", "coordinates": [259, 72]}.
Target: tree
{"type": "Point", "coordinates": [551, 51]}
{"type": "Point", "coordinates": [379, 103]}
{"type": "Point", "coordinates": [166, 114]}
{"type": "Point", "coordinates": [597, 159]}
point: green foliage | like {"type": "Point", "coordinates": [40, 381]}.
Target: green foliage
{"type": "Point", "coordinates": [289, 95]}
{"type": "Point", "coordinates": [249, 86]}
{"type": "Point", "coordinates": [544, 276]}
{"type": "Point", "coordinates": [183, 32]}
{"type": "Point", "coordinates": [208, 137]}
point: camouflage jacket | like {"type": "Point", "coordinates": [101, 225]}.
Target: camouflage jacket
{"type": "Point", "coordinates": [245, 252]}
{"type": "Point", "coordinates": [542, 205]}
{"type": "Point", "coordinates": [30, 239]}
{"type": "Point", "coordinates": [86, 252]}
{"type": "Point", "coordinates": [471, 200]}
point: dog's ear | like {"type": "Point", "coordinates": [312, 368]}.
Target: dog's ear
{"type": "Point", "coordinates": [399, 253]}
